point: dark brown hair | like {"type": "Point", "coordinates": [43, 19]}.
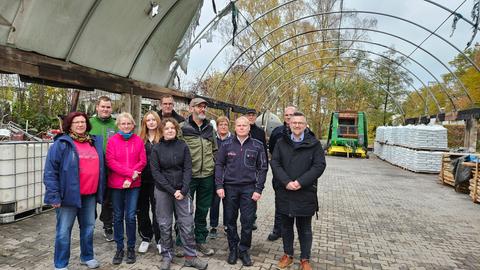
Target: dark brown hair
{"type": "Point", "coordinates": [173, 121]}
{"type": "Point", "coordinates": [103, 98]}
{"type": "Point", "coordinates": [67, 121]}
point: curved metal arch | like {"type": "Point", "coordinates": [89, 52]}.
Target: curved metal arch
{"type": "Point", "coordinates": [275, 100]}
{"type": "Point", "coordinates": [345, 11]}
{"type": "Point", "coordinates": [317, 70]}
{"type": "Point", "coordinates": [348, 28]}
{"type": "Point", "coordinates": [360, 50]}
{"type": "Point", "coordinates": [378, 44]}
{"type": "Point", "coordinates": [334, 57]}
{"type": "Point", "coordinates": [322, 68]}
{"type": "Point", "coordinates": [453, 12]}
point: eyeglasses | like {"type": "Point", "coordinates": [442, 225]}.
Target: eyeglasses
{"type": "Point", "coordinates": [79, 122]}
{"type": "Point", "coordinates": [297, 123]}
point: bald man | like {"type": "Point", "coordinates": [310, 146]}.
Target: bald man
{"type": "Point", "coordinates": [240, 173]}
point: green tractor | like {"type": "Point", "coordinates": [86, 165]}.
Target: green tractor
{"type": "Point", "coordinates": [348, 134]}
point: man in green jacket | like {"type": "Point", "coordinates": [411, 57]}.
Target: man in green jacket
{"type": "Point", "coordinates": [103, 124]}
{"type": "Point", "coordinates": [199, 135]}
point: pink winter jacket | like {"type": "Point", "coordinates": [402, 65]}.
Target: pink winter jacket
{"type": "Point", "coordinates": [123, 157]}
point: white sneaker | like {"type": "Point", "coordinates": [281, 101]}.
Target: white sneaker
{"type": "Point", "coordinates": [159, 247]}
{"type": "Point", "coordinates": [143, 247]}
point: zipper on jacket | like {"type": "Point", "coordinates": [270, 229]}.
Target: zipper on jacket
{"type": "Point", "coordinates": [201, 143]}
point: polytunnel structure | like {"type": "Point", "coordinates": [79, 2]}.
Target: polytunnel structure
{"type": "Point", "coordinates": [278, 46]}
{"type": "Point", "coordinates": [139, 48]}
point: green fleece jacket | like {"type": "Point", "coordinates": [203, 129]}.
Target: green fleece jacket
{"type": "Point", "coordinates": [103, 127]}
{"type": "Point", "coordinates": [202, 144]}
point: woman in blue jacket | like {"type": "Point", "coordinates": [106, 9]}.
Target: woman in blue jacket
{"type": "Point", "coordinates": [74, 181]}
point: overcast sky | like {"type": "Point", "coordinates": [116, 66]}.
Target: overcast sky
{"type": "Point", "coordinates": [419, 11]}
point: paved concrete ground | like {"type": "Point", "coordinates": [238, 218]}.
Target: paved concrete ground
{"type": "Point", "coordinates": [372, 216]}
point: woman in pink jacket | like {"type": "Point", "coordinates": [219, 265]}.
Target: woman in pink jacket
{"type": "Point", "coordinates": [126, 158]}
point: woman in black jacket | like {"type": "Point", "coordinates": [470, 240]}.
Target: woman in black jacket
{"type": "Point", "coordinates": [171, 166]}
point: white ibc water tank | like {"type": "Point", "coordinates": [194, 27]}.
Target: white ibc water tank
{"type": "Point", "coordinates": [21, 177]}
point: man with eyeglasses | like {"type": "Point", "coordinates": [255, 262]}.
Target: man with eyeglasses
{"type": "Point", "coordinates": [199, 135]}
{"type": "Point", "coordinates": [277, 133]}
{"type": "Point", "coordinates": [298, 161]}
{"type": "Point", "coordinates": [103, 124]}
{"type": "Point", "coordinates": [167, 104]}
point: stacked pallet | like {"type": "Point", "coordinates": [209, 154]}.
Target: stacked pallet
{"type": "Point", "coordinates": [415, 148]}
{"type": "Point", "coordinates": [474, 186]}
{"type": "Point", "coordinates": [446, 175]}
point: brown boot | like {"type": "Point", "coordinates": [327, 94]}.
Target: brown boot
{"type": "Point", "coordinates": [285, 261]}
{"type": "Point", "coordinates": [305, 265]}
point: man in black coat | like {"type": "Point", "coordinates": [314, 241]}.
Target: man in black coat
{"type": "Point", "coordinates": [259, 134]}
{"type": "Point", "coordinates": [278, 133]}
{"type": "Point", "coordinates": [297, 163]}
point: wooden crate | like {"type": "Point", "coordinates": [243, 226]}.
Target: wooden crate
{"type": "Point", "coordinates": [474, 181]}
{"type": "Point", "coordinates": [446, 176]}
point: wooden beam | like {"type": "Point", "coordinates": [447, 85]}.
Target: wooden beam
{"type": "Point", "coordinates": [52, 71]}
{"type": "Point", "coordinates": [41, 69]}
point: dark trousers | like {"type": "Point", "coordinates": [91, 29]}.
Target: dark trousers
{"type": "Point", "coordinates": [146, 200]}
{"type": "Point", "coordinates": [239, 197]}
{"type": "Point", "coordinates": [106, 216]}
{"type": "Point", "coordinates": [277, 222]}
{"type": "Point", "coordinates": [201, 190]}
{"type": "Point", "coordinates": [304, 231]}
{"type": "Point", "coordinates": [215, 210]}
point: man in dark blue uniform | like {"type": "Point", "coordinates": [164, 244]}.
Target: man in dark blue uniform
{"type": "Point", "coordinates": [240, 172]}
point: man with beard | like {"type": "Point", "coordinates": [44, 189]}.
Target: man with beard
{"type": "Point", "coordinates": [199, 135]}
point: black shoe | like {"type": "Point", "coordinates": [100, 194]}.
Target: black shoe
{"type": "Point", "coordinates": [118, 258]}
{"type": "Point", "coordinates": [254, 227]}
{"type": "Point", "coordinates": [108, 233]}
{"type": "Point", "coordinates": [245, 258]}
{"type": "Point", "coordinates": [232, 256]}
{"type": "Point", "coordinates": [273, 236]}
{"type": "Point", "coordinates": [131, 258]}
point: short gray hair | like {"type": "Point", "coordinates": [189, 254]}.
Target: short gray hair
{"type": "Point", "coordinates": [124, 115]}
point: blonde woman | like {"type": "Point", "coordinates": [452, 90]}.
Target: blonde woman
{"type": "Point", "coordinates": [150, 133]}
{"type": "Point", "coordinates": [126, 159]}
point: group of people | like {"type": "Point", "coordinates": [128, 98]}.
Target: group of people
{"type": "Point", "coordinates": [172, 162]}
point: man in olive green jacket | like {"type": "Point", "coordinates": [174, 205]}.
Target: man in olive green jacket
{"type": "Point", "coordinates": [199, 135]}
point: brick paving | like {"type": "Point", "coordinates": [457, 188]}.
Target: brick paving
{"type": "Point", "coordinates": [372, 216]}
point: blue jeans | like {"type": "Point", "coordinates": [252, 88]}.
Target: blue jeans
{"type": "Point", "coordinates": [124, 208]}
{"type": "Point", "coordinates": [65, 218]}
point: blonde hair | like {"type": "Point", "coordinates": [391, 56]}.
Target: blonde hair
{"type": "Point", "coordinates": [124, 115]}
{"type": "Point", "coordinates": [223, 119]}
{"type": "Point", "coordinates": [144, 129]}
{"type": "Point", "coordinates": [242, 118]}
